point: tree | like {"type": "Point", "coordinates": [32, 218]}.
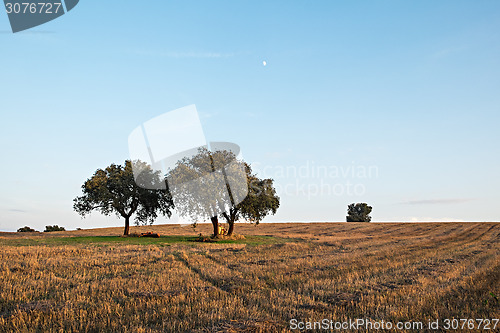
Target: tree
{"type": "Point", "coordinates": [50, 228]}
{"type": "Point", "coordinates": [212, 184]}
{"type": "Point", "coordinates": [115, 190]}
{"type": "Point", "coordinates": [26, 229]}
{"type": "Point", "coordinates": [359, 212]}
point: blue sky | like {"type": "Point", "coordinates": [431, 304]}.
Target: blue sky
{"type": "Point", "coordinates": [409, 91]}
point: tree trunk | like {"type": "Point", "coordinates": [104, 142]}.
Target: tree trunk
{"type": "Point", "coordinates": [231, 218]}
{"type": "Point", "coordinates": [127, 226]}
{"type": "Point", "coordinates": [215, 223]}
{"type": "Point", "coordinates": [231, 228]}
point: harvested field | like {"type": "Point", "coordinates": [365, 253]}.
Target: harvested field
{"type": "Point", "coordinates": [94, 280]}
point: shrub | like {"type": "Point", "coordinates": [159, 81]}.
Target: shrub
{"type": "Point", "coordinates": [26, 229]}
{"type": "Point", "coordinates": [50, 228]}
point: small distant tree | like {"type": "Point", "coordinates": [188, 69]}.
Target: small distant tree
{"type": "Point", "coordinates": [359, 212]}
{"type": "Point", "coordinates": [26, 229]}
{"type": "Point", "coordinates": [50, 228]}
{"type": "Point", "coordinates": [115, 190]}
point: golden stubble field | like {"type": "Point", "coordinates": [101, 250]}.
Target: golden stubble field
{"type": "Point", "coordinates": [306, 271]}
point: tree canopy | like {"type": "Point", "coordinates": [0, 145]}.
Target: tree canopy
{"type": "Point", "coordinates": [359, 212]}
{"type": "Point", "coordinates": [261, 201]}
{"type": "Point", "coordinates": [115, 190]}
{"type": "Point", "coordinates": [212, 184]}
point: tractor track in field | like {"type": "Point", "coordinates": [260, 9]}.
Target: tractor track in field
{"type": "Point", "coordinates": [413, 255]}
{"type": "Point", "coordinates": [220, 286]}
{"type": "Point", "coordinates": [204, 277]}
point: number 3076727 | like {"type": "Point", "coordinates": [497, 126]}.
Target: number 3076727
{"type": "Point", "coordinates": [33, 7]}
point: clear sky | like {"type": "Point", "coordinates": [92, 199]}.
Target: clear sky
{"type": "Point", "coordinates": [392, 103]}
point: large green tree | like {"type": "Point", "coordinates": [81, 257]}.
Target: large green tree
{"type": "Point", "coordinates": [359, 212]}
{"type": "Point", "coordinates": [215, 183]}
{"type": "Point", "coordinates": [116, 190]}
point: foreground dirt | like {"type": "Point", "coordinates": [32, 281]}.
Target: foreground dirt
{"type": "Point", "coordinates": [337, 271]}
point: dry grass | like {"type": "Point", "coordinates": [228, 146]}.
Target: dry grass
{"type": "Point", "coordinates": [336, 271]}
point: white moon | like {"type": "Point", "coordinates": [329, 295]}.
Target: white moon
{"type": "Point", "coordinates": [264, 63]}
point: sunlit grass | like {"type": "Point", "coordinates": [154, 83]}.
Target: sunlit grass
{"type": "Point", "coordinates": [163, 240]}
